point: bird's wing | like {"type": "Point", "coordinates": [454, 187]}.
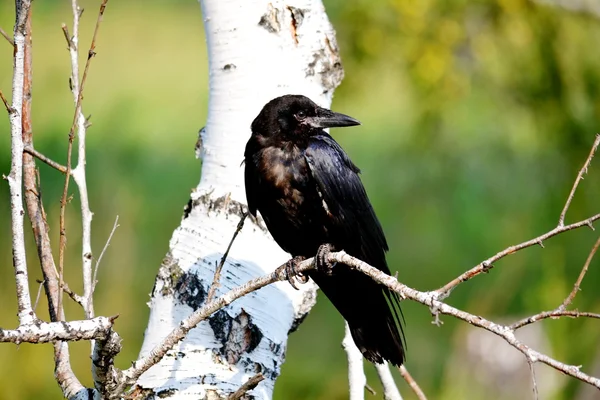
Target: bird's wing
{"type": "Point", "coordinates": [251, 178]}
{"type": "Point", "coordinates": [346, 200]}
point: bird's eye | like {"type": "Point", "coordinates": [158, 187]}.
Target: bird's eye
{"type": "Point", "coordinates": [300, 115]}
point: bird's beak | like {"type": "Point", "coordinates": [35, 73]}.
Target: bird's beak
{"type": "Point", "coordinates": [328, 119]}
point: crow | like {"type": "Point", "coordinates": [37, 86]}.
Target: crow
{"type": "Point", "coordinates": [312, 201]}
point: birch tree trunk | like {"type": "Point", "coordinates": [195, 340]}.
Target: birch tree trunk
{"type": "Point", "coordinates": [258, 50]}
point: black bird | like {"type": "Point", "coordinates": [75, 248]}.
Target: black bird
{"type": "Point", "coordinates": [313, 201]}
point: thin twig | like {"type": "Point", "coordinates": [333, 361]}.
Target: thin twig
{"type": "Point", "coordinates": [370, 389]}
{"type": "Point", "coordinates": [533, 379]}
{"type": "Point", "coordinates": [357, 380]}
{"type": "Point", "coordinates": [412, 383]}
{"type": "Point", "coordinates": [569, 299]}
{"type": "Point", "coordinates": [39, 293]}
{"type": "Point", "coordinates": [583, 170]}
{"type": "Point", "coordinates": [554, 314]}
{"type": "Point", "coordinates": [9, 109]}
{"type": "Point", "coordinates": [486, 265]}
{"type": "Point", "coordinates": [246, 387]}
{"type": "Point", "coordinates": [217, 276]}
{"type": "Point", "coordinates": [8, 38]}
{"type": "Point", "coordinates": [74, 296]}
{"type": "Point", "coordinates": [30, 150]}
{"type": "Point", "coordinates": [112, 232]}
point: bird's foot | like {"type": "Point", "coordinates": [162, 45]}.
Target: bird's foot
{"type": "Point", "coordinates": [292, 274]}
{"type": "Point", "coordinates": [322, 259]}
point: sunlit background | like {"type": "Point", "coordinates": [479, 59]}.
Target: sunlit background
{"type": "Point", "coordinates": [476, 118]}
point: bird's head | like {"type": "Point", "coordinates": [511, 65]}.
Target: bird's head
{"type": "Point", "coordinates": [297, 116]}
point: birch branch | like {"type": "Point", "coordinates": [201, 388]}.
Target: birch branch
{"type": "Point", "coordinates": [78, 172]}
{"type": "Point", "coordinates": [390, 389]}
{"type": "Point", "coordinates": [430, 299]}
{"type": "Point", "coordinates": [15, 177]}
{"type": "Point", "coordinates": [45, 332]}
{"type": "Point", "coordinates": [357, 380]}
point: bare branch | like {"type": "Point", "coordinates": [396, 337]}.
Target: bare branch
{"type": "Point", "coordinates": [112, 232]}
{"type": "Point", "coordinates": [390, 389]}
{"type": "Point", "coordinates": [555, 314]}
{"type": "Point", "coordinates": [8, 38]}
{"type": "Point", "coordinates": [74, 296]}
{"type": "Point", "coordinates": [215, 283]}
{"type": "Point", "coordinates": [430, 299]}
{"type": "Point", "coordinates": [9, 109]}
{"type": "Point", "coordinates": [45, 332]}
{"type": "Point", "coordinates": [79, 175]}
{"type": "Point", "coordinates": [357, 380]}
{"type": "Point", "coordinates": [129, 376]}
{"type": "Point", "coordinates": [246, 387]}
{"type": "Point", "coordinates": [573, 293]}
{"type": "Point", "coordinates": [30, 150]}
{"type": "Point", "coordinates": [486, 265]}
{"type": "Point", "coordinates": [583, 170]}
{"type": "Point", "coordinates": [412, 383]}
{"type": "Point", "coordinates": [533, 378]}
{"type": "Point", "coordinates": [39, 293]}
{"type": "Point", "coordinates": [15, 177]}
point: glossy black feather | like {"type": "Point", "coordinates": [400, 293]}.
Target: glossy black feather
{"type": "Point", "coordinates": [309, 193]}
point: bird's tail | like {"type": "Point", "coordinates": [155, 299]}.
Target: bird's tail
{"type": "Point", "coordinates": [372, 312]}
{"type": "Point", "coordinates": [378, 334]}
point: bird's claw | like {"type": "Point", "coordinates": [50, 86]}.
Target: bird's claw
{"type": "Point", "coordinates": [292, 274]}
{"type": "Point", "coordinates": [322, 259]}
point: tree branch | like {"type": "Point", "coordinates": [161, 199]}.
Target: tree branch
{"type": "Point", "coordinates": [357, 380]}
{"type": "Point", "coordinates": [79, 175]}
{"type": "Point", "coordinates": [486, 265]}
{"type": "Point", "coordinates": [583, 170]}
{"type": "Point", "coordinates": [247, 386]}
{"type": "Point", "coordinates": [45, 332]}
{"type": "Point", "coordinates": [215, 283]}
{"type": "Point", "coordinates": [29, 149]}
{"type": "Point", "coordinates": [9, 109]}
{"type": "Point", "coordinates": [390, 389]}
{"type": "Point", "coordinates": [15, 177]}
{"type": "Point", "coordinates": [129, 376]}
{"type": "Point", "coordinates": [412, 383]}
{"type": "Point", "coordinates": [8, 38]}
{"type": "Point", "coordinates": [569, 299]}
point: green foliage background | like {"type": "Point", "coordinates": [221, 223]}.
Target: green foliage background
{"type": "Point", "coordinates": [476, 117]}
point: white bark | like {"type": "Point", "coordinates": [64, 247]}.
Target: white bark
{"type": "Point", "coordinates": [390, 390]}
{"type": "Point", "coordinates": [15, 178]}
{"type": "Point", "coordinates": [357, 380]}
{"type": "Point", "coordinates": [44, 332]}
{"type": "Point", "coordinates": [258, 50]}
